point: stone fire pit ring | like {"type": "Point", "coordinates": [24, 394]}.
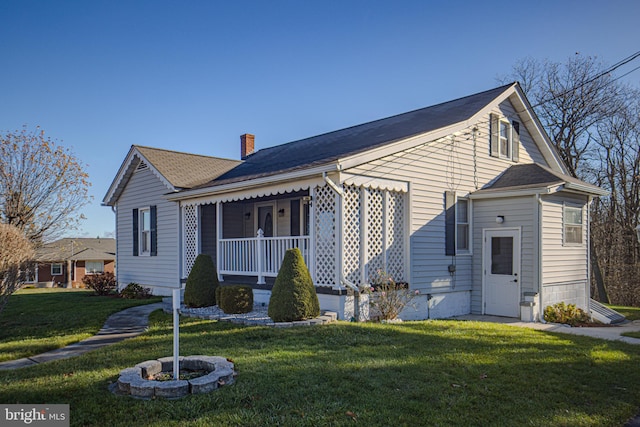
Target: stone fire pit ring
{"type": "Point", "coordinates": [134, 381]}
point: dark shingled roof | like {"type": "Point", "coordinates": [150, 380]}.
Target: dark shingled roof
{"type": "Point", "coordinates": [531, 175]}
{"type": "Point", "coordinates": [328, 147]}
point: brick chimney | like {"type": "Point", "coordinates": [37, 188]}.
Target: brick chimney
{"type": "Point", "coordinates": [247, 145]}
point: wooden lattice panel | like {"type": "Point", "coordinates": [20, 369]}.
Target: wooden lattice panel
{"type": "Point", "coordinates": [324, 204]}
{"type": "Point", "coordinates": [190, 236]}
{"type": "Point", "coordinates": [395, 235]}
{"type": "Point", "coordinates": [375, 231]}
{"type": "Point", "coordinates": [351, 234]}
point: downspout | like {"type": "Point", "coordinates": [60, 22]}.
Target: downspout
{"type": "Point", "coordinates": [115, 267]}
{"type": "Point", "coordinates": [541, 309]}
{"type": "Point", "coordinates": [588, 281]}
{"type": "Point", "coordinates": [343, 280]}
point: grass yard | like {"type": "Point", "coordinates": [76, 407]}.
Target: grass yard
{"type": "Point", "coordinates": [415, 373]}
{"type": "Point", "coordinates": [39, 320]}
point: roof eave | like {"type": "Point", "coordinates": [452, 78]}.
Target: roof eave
{"type": "Point", "coordinates": [251, 183]}
{"type": "Point", "coordinates": [511, 192]}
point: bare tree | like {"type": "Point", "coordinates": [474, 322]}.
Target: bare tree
{"type": "Point", "coordinates": [15, 251]}
{"type": "Point", "coordinates": [570, 99]}
{"type": "Point", "coordinates": [593, 121]}
{"type": "Point", "coordinates": [42, 185]}
{"type": "Point", "coordinates": [616, 216]}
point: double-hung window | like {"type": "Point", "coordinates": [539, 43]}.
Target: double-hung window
{"type": "Point", "coordinates": [504, 138]}
{"type": "Point", "coordinates": [145, 231]}
{"type": "Point", "coordinates": [462, 225]}
{"type": "Point", "coordinates": [572, 223]}
{"type": "Point", "coordinates": [457, 224]}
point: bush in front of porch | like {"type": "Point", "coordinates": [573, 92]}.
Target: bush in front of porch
{"type": "Point", "coordinates": [200, 290]}
{"type": "Point", "coordinates": [293, 296]}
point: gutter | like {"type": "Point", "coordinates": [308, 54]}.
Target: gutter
{"type": "Point", "coordinates": [343, 280]}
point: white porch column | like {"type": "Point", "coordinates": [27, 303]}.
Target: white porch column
{"type": "Point", "coordinates": [218, 237]}
{"type": "Point", "coordinates": [259, 255]}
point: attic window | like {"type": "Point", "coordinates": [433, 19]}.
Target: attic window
{"type": "Point", "coordinates": [504, 138]}
{"type": "Point", "coordinates": [142, 166]}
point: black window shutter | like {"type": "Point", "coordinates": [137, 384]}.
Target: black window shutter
{"type": "Point", "coordinates": [154, 231]}
{"type": "Point", "coordinates": [494, 130]}
{"type": "Point", "coordinates": [135, 232]}
{"type": "Point", "coordinates": [450, 223]}
{"type": "Point", "coordinates": [295, 217]}
{"type": "Point", "coordinates": [516, 141]}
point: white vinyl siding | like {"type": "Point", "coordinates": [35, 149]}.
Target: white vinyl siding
{"type": "Point", "coordinates": [562, 263]}
{"type": "Point", "coordinates": [518, 212]}
{"type": "Point", "coordinates": [431, 170]}
{"type": "Point", "coordinates": [145, 189]}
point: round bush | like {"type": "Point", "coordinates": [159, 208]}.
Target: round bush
{"type": "Point", "coordinates": [235, 299]}
{"type": "Point", "coordinates": [293, 296]}
{"type": "Point", "coordinates": [200, 290]}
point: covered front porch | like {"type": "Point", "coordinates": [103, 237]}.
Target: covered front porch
{"type": "Point", "coordinates": [345, 233]}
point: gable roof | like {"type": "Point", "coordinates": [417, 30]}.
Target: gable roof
{"type": "Point", "coordinates": [329, 147]}
{"type": "Point", "coordinates": [177, 170]}
{"type": "Point", "coordinates": [538, 178]}
{"type": "Point", "coordinates": [78, 249]}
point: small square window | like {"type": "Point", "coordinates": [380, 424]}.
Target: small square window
{"type": "Point", "coordinates": [56, 269]}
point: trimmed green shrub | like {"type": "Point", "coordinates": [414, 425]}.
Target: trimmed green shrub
{"type": "Point", "coordinates": [102, 284]}
{"type": "Point", "coordinates": [200, 290]}
{"type": "Point", "coordinates": [293, 296]}
{"type": "Point", "coordinates": [135, 291]}
{"type": "Point", "coordinates": [565, 313]}
{"type": "Point", "coordinates": [235, 299]}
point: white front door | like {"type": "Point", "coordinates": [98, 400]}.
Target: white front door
{"type": "Point", "coordinates": [501, 267]}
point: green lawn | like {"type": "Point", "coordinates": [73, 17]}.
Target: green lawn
{"type": "Point", "coordinates": [38, 320]}
{"type": "Point", "coordinates": [415, 373]}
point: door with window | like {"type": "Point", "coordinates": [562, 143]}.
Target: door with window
{"type": "Point", "coordinates": [501, 254]}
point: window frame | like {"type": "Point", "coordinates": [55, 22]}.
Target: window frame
{"type": "Point", "coordinates": [508, 137]}
{"type": "Point", "coordinates": [86, 267]}
{"type": "Point", "coordinates": [59, 265]}
{"type": "Point", "coordinates": [144, 239]}
{"type": "Point", "coordinates": [565, 223]}
{"type": "Point", "coordinates": [458, 223]}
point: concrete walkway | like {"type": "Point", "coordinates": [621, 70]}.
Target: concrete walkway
{"type": "Point", "coordinates": [611, 333]}
{"type": "Point", "coordinates": [119, 326]}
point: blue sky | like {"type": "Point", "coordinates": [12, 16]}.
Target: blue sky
{"type": "Point", "coordinates": [99, 76]}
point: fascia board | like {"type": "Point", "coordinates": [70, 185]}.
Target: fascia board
{"type": "Point", "coordinates": [588, 189]}
{"type": "Point", "coordinates": [123, 171]}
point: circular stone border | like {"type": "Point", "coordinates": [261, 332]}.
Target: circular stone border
{"type": "Point", "coordinates": [134, 382]}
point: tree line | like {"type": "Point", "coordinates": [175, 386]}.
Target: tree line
{"type": "Point", "coordinates": [593, 118]}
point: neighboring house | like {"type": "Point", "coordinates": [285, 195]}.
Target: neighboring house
{"type": "Point", "coordinates": [66, 261]}
{"type": "Point", "coordinates": [467, 201]}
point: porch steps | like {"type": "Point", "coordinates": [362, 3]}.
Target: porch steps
{"type": "Point", "coordinates": [604, 314]}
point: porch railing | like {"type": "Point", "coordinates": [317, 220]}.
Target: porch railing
{"type": "Point", "coordinates": [258, 256]}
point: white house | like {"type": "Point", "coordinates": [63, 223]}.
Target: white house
{"type": "Point", "coordinates": [467, 201]}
